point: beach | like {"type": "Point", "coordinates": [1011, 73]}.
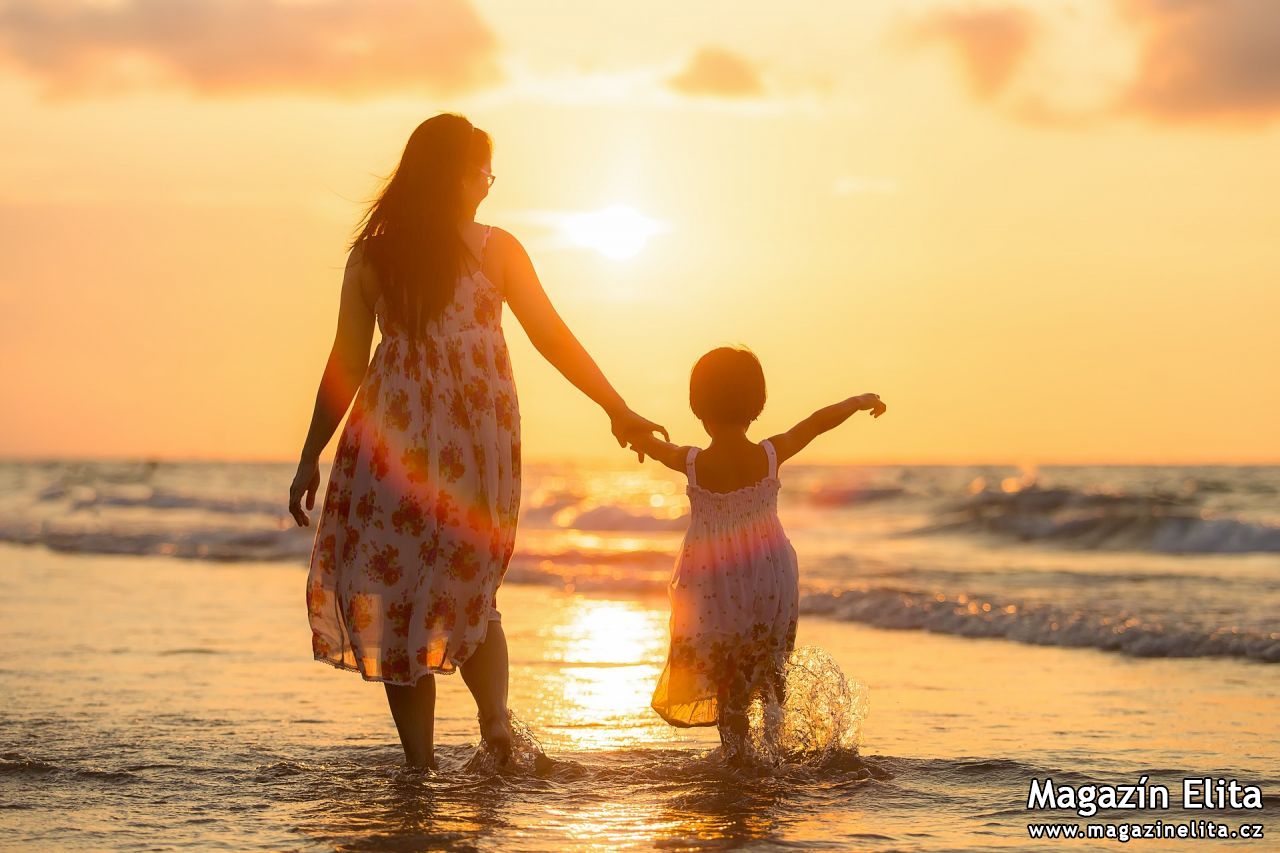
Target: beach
{"type": "Point", "coordinates": [969, 307]}
{"type": "Point", "coordinates": [154, 701]}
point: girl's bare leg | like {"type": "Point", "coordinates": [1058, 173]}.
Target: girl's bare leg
{"type": "Point", "coordinates": [414, 710]}
{"type": "Point", "coordinates": [732, 724]}
{"type": "Point", "coordinates": [486, 675]}
{"type": "Point", "coordinates": [733, 735]}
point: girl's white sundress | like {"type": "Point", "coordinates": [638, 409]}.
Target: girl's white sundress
{"type": "Point", "coordinates": [734, 600]}
{"type": "Point", "coordinates": [420, 513]}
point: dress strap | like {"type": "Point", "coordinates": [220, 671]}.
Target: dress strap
{"type": "Point", "coordinates": [484, 244]}
{"type": "Point", "coordinates": [773, 457]}
{"type": "Point", "coordinates": [688, 466]}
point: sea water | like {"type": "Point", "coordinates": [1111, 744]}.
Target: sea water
{"type": "Point", "coordinates": [993, 625]}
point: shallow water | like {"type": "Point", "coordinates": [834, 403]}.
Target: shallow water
{"type": "Point", "coordinates": [155, 703]}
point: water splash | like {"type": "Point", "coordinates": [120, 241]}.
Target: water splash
{"type": "Point", "coordinates": [527, 755]}
{"type": "Point", "coordinates": [820, 716]}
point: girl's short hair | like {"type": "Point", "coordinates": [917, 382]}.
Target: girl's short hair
{"type": "Point", "coordinates": [727, 386]}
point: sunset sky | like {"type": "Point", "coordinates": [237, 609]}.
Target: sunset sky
{"type": "Point", "coordinates": [1042, 231]}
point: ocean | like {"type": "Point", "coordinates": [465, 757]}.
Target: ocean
{"type": "Point", "coordinates": [1089, 623]}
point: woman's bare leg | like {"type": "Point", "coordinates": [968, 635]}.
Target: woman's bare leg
{"type": "Point", "coordinates": [414, 710]}
{"type": "Point", "coordinates": [486, 675]}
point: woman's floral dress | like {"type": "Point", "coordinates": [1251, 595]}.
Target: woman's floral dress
{"type": "Point", "coordinates": [734, 601]}
{"type": "Point", "coordinates": [419, 516]}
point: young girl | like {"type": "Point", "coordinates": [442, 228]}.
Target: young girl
{"type": "Point", "coordinates": [735, 590]}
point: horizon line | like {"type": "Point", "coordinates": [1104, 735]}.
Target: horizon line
{"type": "Point", "coordinates": [599, 460]}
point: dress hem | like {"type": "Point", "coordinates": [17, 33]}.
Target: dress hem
{"type": "Point", "coordinates": [684, 724]}
{"type": "Point", "coordinates": [337, 664]}
{"type": "Point", "coordinates": [431, 670]}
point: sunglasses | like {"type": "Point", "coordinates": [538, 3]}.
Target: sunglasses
{"type": "Point", "coordinates": [489, 177]}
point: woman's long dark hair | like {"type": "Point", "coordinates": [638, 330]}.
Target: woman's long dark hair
{"type": "Point", "coordinates": [410, 232]}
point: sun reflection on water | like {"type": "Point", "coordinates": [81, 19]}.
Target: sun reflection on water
{"type": "Point", "coordinates": [609, 655]}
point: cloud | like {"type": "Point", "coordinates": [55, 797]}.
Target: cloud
{"type": "Point", "coordinates": [990, 43]}
{"type": "Point", "coordinates": [1189, 60]}
{"type": "Point", "coordinates": [720, 73]}
{"type": "Point", "coordinates": [327, 47]}
{"type": "Point", "coordinates": [1205, 59]}
{"type": "Point", "coordinates": [648, 86]}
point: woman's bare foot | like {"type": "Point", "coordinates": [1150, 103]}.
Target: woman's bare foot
{"type": "Point", "coordinates": [495, 731]}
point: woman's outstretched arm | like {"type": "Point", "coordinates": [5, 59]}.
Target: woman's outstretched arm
{"type": "Point", "coordinates": [557, 344]}
{"type": "Point", "coordinates": [348, 361]}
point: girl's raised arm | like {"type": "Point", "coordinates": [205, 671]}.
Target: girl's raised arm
{"type": "Point", "coordinates": [794, 440]}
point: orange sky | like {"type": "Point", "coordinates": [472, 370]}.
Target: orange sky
{"type": "Point", "coordinates": [1042, 232]}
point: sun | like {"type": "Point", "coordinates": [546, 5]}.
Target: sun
{"type": "Point", "coordinates": [617, 231]}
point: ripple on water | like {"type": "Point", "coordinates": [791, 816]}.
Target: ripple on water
{"type": "Point", "coordinates": [18, 765]}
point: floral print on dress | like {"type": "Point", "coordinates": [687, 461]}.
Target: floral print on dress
{"type": "Point", "coordinates": [419, 516]}
{"type": "Point", "coordinates": [735, 602]}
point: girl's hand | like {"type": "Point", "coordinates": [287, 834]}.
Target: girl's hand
{"type": "Point", "coordinates": [305, 482]}
{"type": "Point", "coordinates": [870, 402]}
{"type": "Point", "coordinates": [627, 426]}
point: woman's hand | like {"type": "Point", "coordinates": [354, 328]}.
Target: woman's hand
{"type": "Point", "coordinates": [305, 482]}
{"type": "Point", "coordinates": [871, 402]}
{"type": "Point", "coordinates": [627, 426]}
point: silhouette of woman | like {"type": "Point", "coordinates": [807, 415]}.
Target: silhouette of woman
{"type": "Point", "coordinates": [419, 515]}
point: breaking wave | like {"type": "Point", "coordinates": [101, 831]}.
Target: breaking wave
{"type": "Point", "coordinates": [1041, 624]}
{"type": "Point", "coordinates": [1168, 524]}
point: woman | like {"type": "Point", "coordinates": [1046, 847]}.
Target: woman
{"type": "Point", "coordinates": [419, 516]}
